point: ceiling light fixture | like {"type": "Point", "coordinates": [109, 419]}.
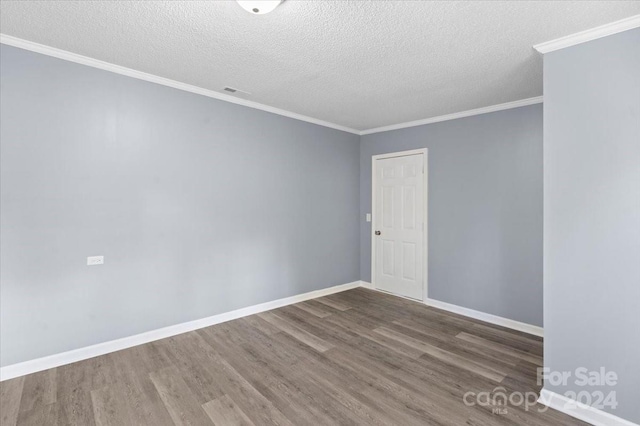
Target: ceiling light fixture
{"type": "Point", "coordinates": [259, 7]}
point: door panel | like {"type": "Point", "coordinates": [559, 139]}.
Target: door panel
{"type": "Point", "coordinates": [398, 216]}
{"type": "Point", "coordinates": [388, 264]}
{"type": "Point", "coordinates": [408, 207]}
{"type": "Point", "coordinates": [387, 207]}
{"type": "Point", "coordinates": [409, 261]}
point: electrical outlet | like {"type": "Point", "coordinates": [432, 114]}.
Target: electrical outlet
{"type": "Point", "coordinates": [95, 260]}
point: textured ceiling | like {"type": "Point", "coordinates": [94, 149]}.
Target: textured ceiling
{"type": "Point", "coordinates": [360, 64]}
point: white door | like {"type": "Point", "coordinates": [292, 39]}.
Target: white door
{"type": "Point", "coordinates": [399, 194]}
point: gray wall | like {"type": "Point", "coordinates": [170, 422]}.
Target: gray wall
{"type": "Point", "coordinates": [199, 206]}
{"type": "Point", "coordinates": [592, 213]}
{"type": "Point", "coordinates": [485, 209]}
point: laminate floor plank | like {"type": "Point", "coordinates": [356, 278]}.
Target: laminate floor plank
{"type": "Point", "coordinates": [347, 389]}
{"type": "Point", "coordinates": [432, 334]}
{"type": "Point", "coordinates": [178, 398]}
{"type": "Point", "coordinates": [443, 355]}
{"type": "Point", "coordinates": [235, 382]}
{"type": "Point", "coordinates": [359, 357]}
{"type": "Point", "coordinates": [513, 340]}
{"type": "Point", "coordinates": [359, 387]}
{"type": "Point", "coordinates": [327, 331]}
{"type": "Point", "coordinates": [39, 415]}
{"type": "Point", "coordinates": [314, 310]}
{"type": "Point", "coordinates": [272, 373]}
{"type": "Point", "coordinates": [260, 324]}
{"type": "Point", "coordinates": [74, 385]}
{"type": "Point", "coordinates": [321, 306]}
{"type": "Point", "coordinates": [333, 303]}
{"type": "Point", "coordinates": [439, 399]}
{"type": "Point", "coordinates": [365, 408]}
{"type": "Point", "coordinates": [133, 367]}
{"type": "Point", "coordinates": [239, 331]}
{"type": "Point", "coordinates": [316, 397]}
{"type": "Point", "coordinates": [501, 348]}
{"type": "Point", "coordinates": [224, 412]}
{"type": "Point", "coordinates": [39, 390]}
{"type": "Point", "coordinates": [485, 355]}
{"type": "Point", "coordinates": [430, 372]}
{"type": "Point", "coordinates": [365, 332]}
{"type": "Point", "coordinates": [110, 407]}
{"type": "Point", "coordinates": [354, 316]}
{"type": "Point", "coordinates": [448, 384]}
{"type": "Point", "coordinates": [300, 334]}
{"type": "Point", "coordinates": [187, 356]}
{"type": "Point", "coordinates": [399, 399]}
{"type": "Point", "coordinates": [11, 393]}
{"type": "Point", "coordinates": [362, 381]}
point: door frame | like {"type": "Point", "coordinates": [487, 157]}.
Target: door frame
{"type": "Point", "coordinates": [425, 239]}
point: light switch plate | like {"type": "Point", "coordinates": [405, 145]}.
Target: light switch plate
{"type": "Point", "coordinates": [368, 217]}
{"type": "Point", "coordinates": [95, 260]}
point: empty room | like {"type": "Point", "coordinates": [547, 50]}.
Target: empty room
{"type": "Point", "coordinates": [329, 212]}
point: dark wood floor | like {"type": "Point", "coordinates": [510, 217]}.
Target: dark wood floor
{"type": "Point", "coordinates": [357, 357]}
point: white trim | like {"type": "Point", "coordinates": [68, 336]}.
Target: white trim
{"type": "Point", "coordinates": [490, 318]}
{"type": "Point", "coordinates": [56, 360]}
{"type": "Point", "coordinates": [95, 63]}
{"type": "Point", "coordinates": [400, 153]}
{"type": "Point", "coordinates": [469, 113]}
{"type": "Point", "coordinates": [366, 284]}
{"type": "Point", "coordinates": [588, 35]}
{"type": "Point", "coordinates": [107, 66]}
{"type": "Point", "coordinates": [425, 230]}
{"type": "Point", "coordinates": [581, 411]}
{"type": "Point", "coordinates": [482, 316]}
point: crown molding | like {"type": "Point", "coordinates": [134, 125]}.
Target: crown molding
{"type": "Point", "coordinates": [469, 113]}
{"type": "Point", "coordinates": [588, 35]}
{"type": "Point", "coordinates": [107, 66]}
{"type": "Point", "coordinates": [95, 63]}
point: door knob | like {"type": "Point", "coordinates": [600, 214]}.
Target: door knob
{"type": "Point", "coordinates": [378, 232]}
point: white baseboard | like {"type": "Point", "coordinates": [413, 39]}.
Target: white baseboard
{"type": "Point", "coordinates": [482, 316]}
{"type": "Point", "coordinates": [581, 411]}
{"type": "Point", "coordinates": [366, 285]}
{"type": "Point", "coordinates": [56, 360]}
